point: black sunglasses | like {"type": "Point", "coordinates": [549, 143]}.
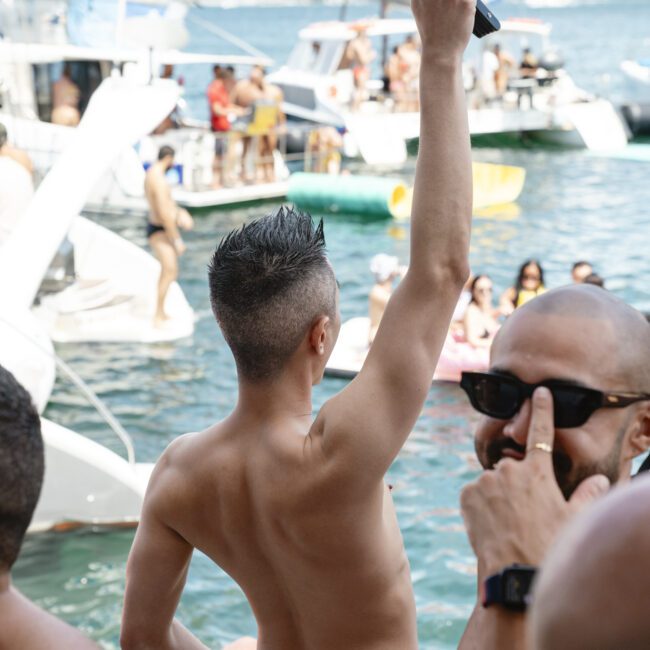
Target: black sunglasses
{"type": "Point", "coordinates": [501, 397]}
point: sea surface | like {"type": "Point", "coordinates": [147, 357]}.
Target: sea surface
{"type": "Point", "coordinates": [574, 206]}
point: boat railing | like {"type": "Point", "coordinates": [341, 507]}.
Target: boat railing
{"type": "Point", "coordinates": [101, 408]}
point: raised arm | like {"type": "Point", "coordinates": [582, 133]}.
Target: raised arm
{"type": "Point", "coordinates": [157, 569]}
{"type": "Point", "coordinates": [370, 420]}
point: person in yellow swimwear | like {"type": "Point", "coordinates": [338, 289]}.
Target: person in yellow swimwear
{"type": "Point", "coordinates": [529, 284]}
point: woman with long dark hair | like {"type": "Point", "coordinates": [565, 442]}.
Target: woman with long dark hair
{"type": "Point", "coordinates": [479, 323]}
{"type": "Point", "coordinates": [529, 283]}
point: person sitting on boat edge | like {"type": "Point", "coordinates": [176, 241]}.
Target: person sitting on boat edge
{"type": "Point", "coordinates": [549, 451]}
{"type": "Point", "coordinates": [529, 283]}
{"type": "Point", "coordinates": [23, 625]}
{"type": "Point", "coordinates": [165, 218]}
{"type": "Point", "coordinates": [294, 509]}
{"type": "Point", "coordinates": [385, 269]}
{"type": "Point", "coordinates": [479, 323]}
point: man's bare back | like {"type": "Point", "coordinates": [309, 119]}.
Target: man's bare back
{"type": "Point", "coordinates": [268, 508]}
{"type": "Point", "coordinates": [295, 510]}
{"type": "Point", "coordinates": [246, 93]}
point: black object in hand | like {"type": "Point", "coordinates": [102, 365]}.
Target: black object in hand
{"type": "Point", "coordinates": [485, 22]}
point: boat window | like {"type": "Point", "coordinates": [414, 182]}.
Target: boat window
{"type": "Point", "coordinates": [301, 57]}
{"type": "Point", "coordinates": [319, 57]}
{"type": "Point", "coordinates": [87, 75]}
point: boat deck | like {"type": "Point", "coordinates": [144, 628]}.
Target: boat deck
{"type": "Point", "coordinates": [231, 195]}
{"type": "Point", "coordinates": [193, 200]}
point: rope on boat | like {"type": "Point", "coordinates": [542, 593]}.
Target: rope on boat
{"type": "Point", "coordinates": [86, 391]}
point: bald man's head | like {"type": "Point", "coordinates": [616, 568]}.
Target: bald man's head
{"type": "Point", "coordinates": [593, 590]}
{"type": "Point", "coordinates": [580, 335]}
{"type": "Point", "coordinates": [610, 331]}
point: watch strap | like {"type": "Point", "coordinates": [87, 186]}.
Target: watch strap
{"type": "Point", "coordinates": [510, 588]}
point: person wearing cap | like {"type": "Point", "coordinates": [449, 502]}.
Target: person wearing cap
{"type": "Point", "coordinates": [386, 269]}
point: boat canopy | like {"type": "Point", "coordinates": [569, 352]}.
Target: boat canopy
{"type": "Point", "coordinates": [345, 31]}
{"type": "Point", "coordinates": [531, 26]}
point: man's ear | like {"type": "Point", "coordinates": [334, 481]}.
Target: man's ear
{"type": "Point", "coordinates": [317, 334]}
{"type": "Point", "coordinates": [640, 435]}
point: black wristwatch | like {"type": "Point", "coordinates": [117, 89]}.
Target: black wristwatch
{"type": "Point", "coordinates": [510, 588]}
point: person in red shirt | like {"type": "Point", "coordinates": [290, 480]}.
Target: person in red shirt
{"type": "Point", "coordinates": [220, 107]}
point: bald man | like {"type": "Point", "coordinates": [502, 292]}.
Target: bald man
{"type": "Point", "coordinates": [553, 449]}
{"type": "Point", "coordinates": [593, 588]}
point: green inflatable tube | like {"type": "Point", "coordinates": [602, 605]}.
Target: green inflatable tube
{"type": "Point", "coordinates": [371, 195]}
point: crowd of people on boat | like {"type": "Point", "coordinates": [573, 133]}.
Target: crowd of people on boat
{"type": "Point", "coordinates": [500, 71]}
{"type": "Point", "coordinates": [245, 112]}
{"type": "Point", "coordinates": [295, 509]}
{"type": "Point", "coordinates": [400, 74]}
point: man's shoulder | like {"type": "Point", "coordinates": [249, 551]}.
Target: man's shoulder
{"type": "Point", "coordinates": [31, 627]}
{"type": "Point", "coordinates": [184, 450]}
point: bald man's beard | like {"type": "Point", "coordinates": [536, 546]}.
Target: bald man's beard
{"type": "Point", "coordinates": [568, 473]}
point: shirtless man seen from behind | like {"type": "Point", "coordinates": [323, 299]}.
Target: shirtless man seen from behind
{"type": "Point", "coordinates": [245, 94]}
{"type": "Point", "coordinates": [165, 218]}
{"type": "Point", "coordinates": [295, 510]}
{"type": "Point", "coordinates": [359, 55]}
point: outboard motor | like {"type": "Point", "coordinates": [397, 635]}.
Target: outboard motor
{"type": "Point", "coordinates": [551, 61]}
{"type": "Point", "coordinates": [637, 117]}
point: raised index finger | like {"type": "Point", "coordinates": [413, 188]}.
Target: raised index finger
{"type": "Point", "coordinates": [541, 433]}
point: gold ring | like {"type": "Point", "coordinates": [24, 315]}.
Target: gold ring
{"type": "Point", "coordinates": [544, 446]}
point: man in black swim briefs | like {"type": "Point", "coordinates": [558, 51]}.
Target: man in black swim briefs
{"type": "Point", "coordinates": [165, 218]}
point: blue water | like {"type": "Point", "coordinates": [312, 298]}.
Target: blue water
{"type": "Point", "coordinates": [574, 206]}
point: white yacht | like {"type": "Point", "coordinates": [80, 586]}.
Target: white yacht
{"type": "Point", "coordinates": [85, 483]}
{"type": "Point", "coordinates": [28, 71]}
{"type": "Point", "coordinates": [318, 87]}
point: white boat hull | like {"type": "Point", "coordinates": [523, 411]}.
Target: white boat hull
{"type": "Point", "coordinates": [86, 484]}
{"type": "Point", "coordinates": [27, 352]}
{"type": "Point", "coordinates": [80, 313]}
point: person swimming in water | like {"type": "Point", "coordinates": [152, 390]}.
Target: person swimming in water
{"type": "Point", "coordinates": [530, 283]}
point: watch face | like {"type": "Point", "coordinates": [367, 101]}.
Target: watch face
{"type": "Point", "coordinates": [516, 587]}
